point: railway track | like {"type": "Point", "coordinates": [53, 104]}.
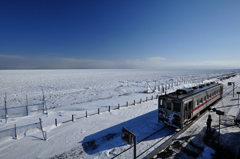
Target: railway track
{"type": "Point", "coordinates": [144, 139]}
{"type": "Point", "coordinates": [170, 140]}
{"type": "Point", "coordinates": [158, 148]}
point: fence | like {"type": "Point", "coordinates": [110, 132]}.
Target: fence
{"type": "Point", "coordinates": [105, 109]}
{"type": "Point", "coordinates": [19, 111]}
{"type": "Point", "coordinates": [17, 131]}
{"type": "Point", "coordinates": [26, 110]}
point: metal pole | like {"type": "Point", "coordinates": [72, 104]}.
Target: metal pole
{"type": "Point", "coordinates": [219, 131]}
{"type": "Point", "coordinates": [56, 122]}
{"type": "Point", "coordinates": [238, 101]}
{"type": "Point", "coordinates": [135, 146]}
{"type": "Point", "coordinates": [233, 88]}
{"type": "Point", "coordinates": [26, 105]}
{"type": "Point", "coordinates": [5, 105]}
{"type": "Point", "coordinates": [43, 101]}
{"type": "Point", "coordinates": [15, 128]}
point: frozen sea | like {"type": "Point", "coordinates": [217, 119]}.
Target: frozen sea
{"type": "Point", "coordinates": [88, 88]}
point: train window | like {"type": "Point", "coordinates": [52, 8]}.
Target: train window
{"type": "Point", "coordinates": [164, 103]}
{"type": "Point", "coordinates": [186, 107]}
{"type": "Point", "coordinates": [196, 103]}
{"type": "Point", "coordinates": [161, 103]}
{"type": "Point", "coordinates": [169, 106]}
{"type": "Point", "coordinates": [176, 106]}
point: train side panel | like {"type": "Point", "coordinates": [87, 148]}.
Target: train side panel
{"type": "Point", "coordinates": [176, 112]}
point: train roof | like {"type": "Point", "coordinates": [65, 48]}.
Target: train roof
{"type": "Point", "coordinates": [187, 92]}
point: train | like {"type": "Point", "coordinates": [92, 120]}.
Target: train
{"type": "Point", "coordinates": [178, 108]}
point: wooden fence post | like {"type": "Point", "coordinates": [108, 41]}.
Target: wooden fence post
{"type": "Point", "coordinates": [5, 105]}
{"type": "Point", "coordinates": [15, 129]}
{"type": "Point", "coordinates": [118, 106]}
{"type": "Point", "coordinates": [146, 99]}
{"type": "Point", "coordinates": [45, 135]}
{"type": "Point", "coordinates": [56, 121]}
{"type": "Point", "coordinates": [152, 97]}
{"type": "Point", "coordinates": [26, 105]}
{"type": "Point", "coordinates": [134, 102]}
{"type": "Point", "coordinates": [86, 113]}
{"type": "Point", "coordinates": [127, 104]}
{"type": "Point", "coordinates": [140, 100]}
{"type": "Point", "coordinates": [72, 118]}
{"type": "Point", "coordinates": [98, 111]}
{"type": "Point", "coordinates": [109, 108]}
{"type": "Point", "coordinates": [43, 101]}
{"type": "Point", "coordinates": [40, 120]}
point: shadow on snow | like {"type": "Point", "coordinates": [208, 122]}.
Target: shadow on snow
{"type": "Point", "coordinates": [110, 138]}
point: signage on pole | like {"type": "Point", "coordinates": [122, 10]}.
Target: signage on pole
{"type": "Point", "coordinates": [218, 112]}
{"type": "Point", "coordinates": [128, 136]}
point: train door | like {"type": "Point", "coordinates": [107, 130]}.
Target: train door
{"type": "Point", "coordinates": [221, 91]}
{"type": "Point", "coordinates": [188, 107]}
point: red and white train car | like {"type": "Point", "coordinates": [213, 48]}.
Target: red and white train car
{"type": "Point", "coordinates": [177, 108]}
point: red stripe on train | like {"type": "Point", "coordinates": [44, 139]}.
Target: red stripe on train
{"type": "Point", "coordinates": [205, 102]}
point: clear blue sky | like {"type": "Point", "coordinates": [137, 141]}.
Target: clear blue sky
{"type": "Point", "coordinates": [111, 34]}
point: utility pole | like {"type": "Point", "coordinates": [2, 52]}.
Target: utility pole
{"type": "Point", "coordinates": [233, 84]}
{"type": "Point", "coordinates": [218, 112]}
{"type": "Point", "coordinates": [128, 136]}
{"type": "Point", "coordinates": [238, 93]}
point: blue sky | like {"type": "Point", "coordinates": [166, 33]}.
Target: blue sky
{"type": "Point", "coordinates": [119, 34]}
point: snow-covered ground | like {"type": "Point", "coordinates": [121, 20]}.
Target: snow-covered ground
{"type": "Point", "coordinates": [74, 88]}
{"type": "Point", "coordinates": [74, 91]}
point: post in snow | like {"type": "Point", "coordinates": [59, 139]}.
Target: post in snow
{"type": "Point", "coordinates": [5, 105]}
{"type": "Point", "coordinates": [26, 105]}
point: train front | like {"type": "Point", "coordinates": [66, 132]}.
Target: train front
{"type": "Point", "coordinates": [169, 111]}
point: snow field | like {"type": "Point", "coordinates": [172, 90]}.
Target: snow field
{"type": "Point", "coordinates": [102, 130]}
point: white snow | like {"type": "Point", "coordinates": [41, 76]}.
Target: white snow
{"type": "Point", "coordinates": [75, 91]}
